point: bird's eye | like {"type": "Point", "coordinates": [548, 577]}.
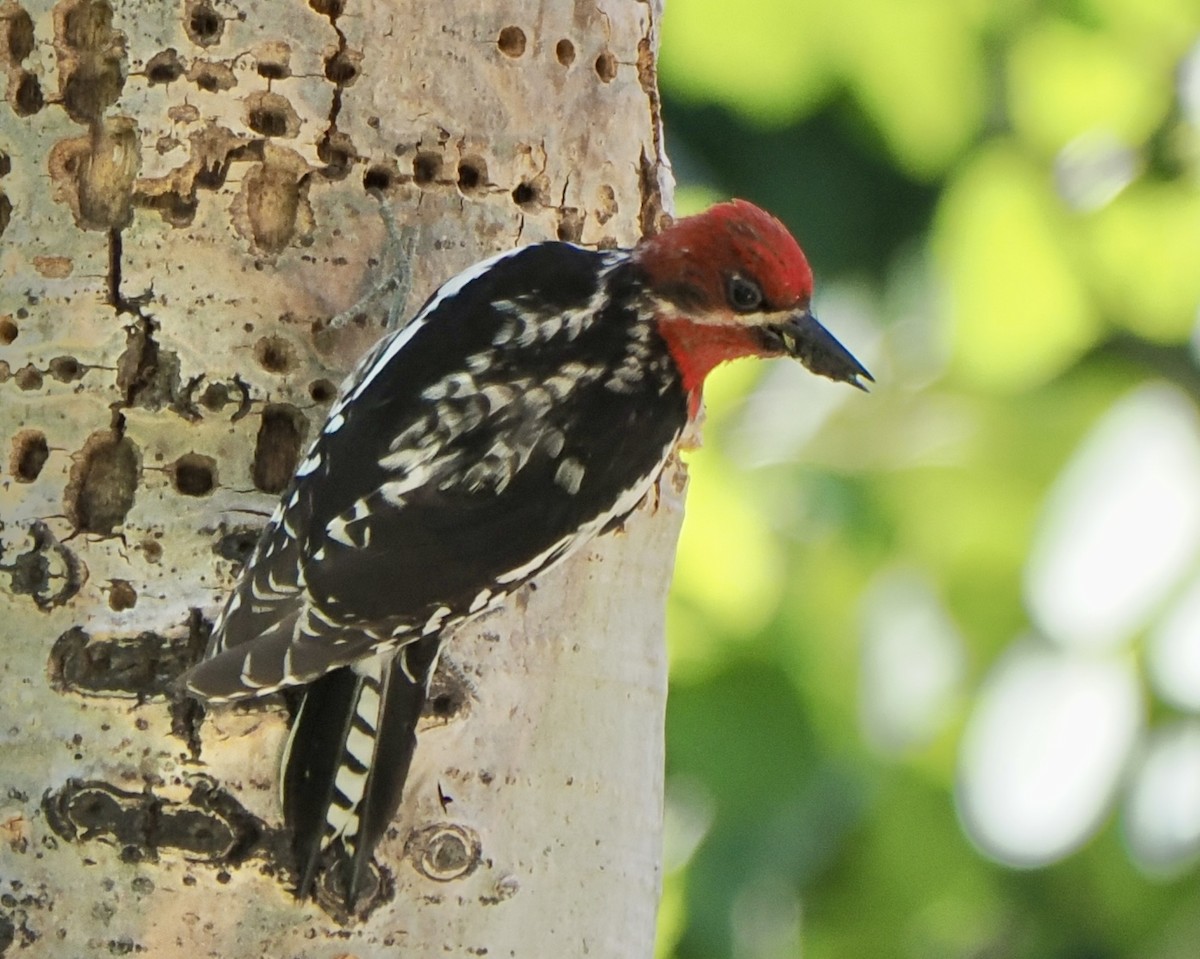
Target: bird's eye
{"type": "Point", "coordinates": [744, 295]}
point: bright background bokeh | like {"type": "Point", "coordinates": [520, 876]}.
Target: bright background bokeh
{"type": "Point", "coordinates": [936, 651]}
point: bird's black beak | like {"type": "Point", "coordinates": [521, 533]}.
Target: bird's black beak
{"type": "Point", "coordinates": [802, 337]}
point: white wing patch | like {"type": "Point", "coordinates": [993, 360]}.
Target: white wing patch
{"type": "Point", "coordinates": [569, 475]}
{"type": "Point", "coordinates": [514, 414]}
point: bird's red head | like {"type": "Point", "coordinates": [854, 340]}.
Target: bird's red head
{"type": "Point", "coordinates": [694, 260]}
{"type": "Point", "coordinates": [733, 282]}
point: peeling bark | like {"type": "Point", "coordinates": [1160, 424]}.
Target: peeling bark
{"type": "Point", "coordinates": [191, 195]}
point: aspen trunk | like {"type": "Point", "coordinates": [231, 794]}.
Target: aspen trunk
{"type": "Point", "coordinates": [190, 193]}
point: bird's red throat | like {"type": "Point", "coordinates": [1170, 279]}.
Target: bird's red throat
{"type": "Point", "coordinates": [698, 348]}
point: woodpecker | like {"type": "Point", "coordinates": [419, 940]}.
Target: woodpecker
{"type": "Point", "coordinates": [529, 405]}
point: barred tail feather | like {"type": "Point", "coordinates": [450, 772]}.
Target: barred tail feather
{"type": "Point", "coordinates": [347, 759]}
{"type": "Point", "coordinates": [290, 652]}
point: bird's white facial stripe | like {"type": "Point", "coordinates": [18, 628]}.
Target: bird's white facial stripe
{"type": "Point", "coordinates": [722, 316]}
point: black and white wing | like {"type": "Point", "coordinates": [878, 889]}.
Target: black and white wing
{"type": "Point", "coordinates": [527, 406]}
{"type": "Point", "coordinates": [478, 445]}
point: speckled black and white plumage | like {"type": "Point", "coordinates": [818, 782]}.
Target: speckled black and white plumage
{"type": "Point", "coordinates": [531, 403]}
{"type": "Point", "coordinates": [528, 405]}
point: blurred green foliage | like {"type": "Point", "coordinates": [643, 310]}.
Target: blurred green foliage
{"type": "Point", "coordinates": [1001, 202]}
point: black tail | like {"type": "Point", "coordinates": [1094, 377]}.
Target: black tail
{"type": "Point", "coordinates": [347, 758]}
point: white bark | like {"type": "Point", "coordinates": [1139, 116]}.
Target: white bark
{"type": "Point", "coordinates": [185, 208]}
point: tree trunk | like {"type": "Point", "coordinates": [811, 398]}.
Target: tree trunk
{"type": "Point", "coordinates": [190, 192]}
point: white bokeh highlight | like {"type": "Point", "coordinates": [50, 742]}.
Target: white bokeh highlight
{"type": "Point", "coordinates": [1162, 810]}
{"type": "Point", "coordinates": [1189, 85]}
{"type": "Point", "coordinates": [913, 662]}
{"type": "Point", "coordinates": [688, 814]}
{"type": "Point", "coordinates": [1173, 651]}
{"type": "Point", "coordinates": [1121, 524]}
{"type": "Point", "coordinates": [1045, 749]}
{"type": "Point", "coordinates": [1093, 169]}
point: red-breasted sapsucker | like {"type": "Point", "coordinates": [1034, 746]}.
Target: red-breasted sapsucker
{"type": "Point", "coordinates": [531, 403]}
